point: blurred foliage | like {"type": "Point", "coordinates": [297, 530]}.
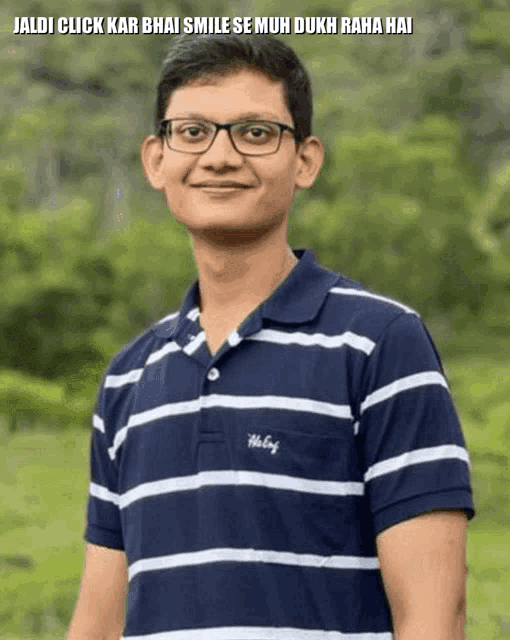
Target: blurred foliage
{"type": "Point", "coordinates": [72, 303]}
{"type": "Point", "coordinates": [412, 202]}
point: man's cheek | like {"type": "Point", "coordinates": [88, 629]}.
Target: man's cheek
{"type": "Point", "coordinates": [280, 188]}
{"type": "Point", "coordinates": [175, 201]}
{"type": "Point", "coordinates": [180, 203]}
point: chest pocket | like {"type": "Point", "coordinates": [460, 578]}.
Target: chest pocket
{"type": "Point", "coordinates": [296, 453]}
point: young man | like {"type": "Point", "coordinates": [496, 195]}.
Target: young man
{"type": "Point", "coordinates": [281, 458]}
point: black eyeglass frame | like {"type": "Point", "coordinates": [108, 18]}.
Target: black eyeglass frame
{"type": "Point", "coordinates": [163, 131]}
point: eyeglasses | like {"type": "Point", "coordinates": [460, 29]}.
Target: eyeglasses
{"type": "Point", "coordinates": [251, 138]}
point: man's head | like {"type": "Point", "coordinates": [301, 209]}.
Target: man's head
{"type": "Point", "coordinates": [231, 185]}
{"type": "Point", "coordinates": [191, 57]}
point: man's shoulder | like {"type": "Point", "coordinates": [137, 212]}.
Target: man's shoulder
{"type": "Point", "coordinates": [361, 307]}
{"type": "Point", "coordinates": [134, 355]}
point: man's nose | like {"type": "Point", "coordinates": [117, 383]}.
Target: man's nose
{"type": "Point", "coordinates": [222, 151]}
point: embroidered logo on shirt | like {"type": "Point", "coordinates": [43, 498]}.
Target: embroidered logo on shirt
{"type": "Point", "coordinates": [254, 440]}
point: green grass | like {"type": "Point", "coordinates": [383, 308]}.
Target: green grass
{"type": "Point", "coordinates": [44, 479]}
{"type": "Point", "coordinates": [43, 483]}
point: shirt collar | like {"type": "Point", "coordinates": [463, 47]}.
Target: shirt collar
{"type": "Point", "coordinates": [297, 300]}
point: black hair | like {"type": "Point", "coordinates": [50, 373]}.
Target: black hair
{"type": "Point", "coordinates": [191, 57]}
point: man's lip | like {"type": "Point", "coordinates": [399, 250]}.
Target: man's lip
{"type": "Point", "coordinates": [222, 185]}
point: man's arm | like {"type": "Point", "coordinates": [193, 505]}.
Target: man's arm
{"type": "Point", "coordinates": [423, 567]}
{"type": "Point", "coordinates": [100, 612]}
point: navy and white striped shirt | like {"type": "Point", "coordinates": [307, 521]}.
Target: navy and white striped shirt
{"type": "Point", "coordinates": [247, 489]}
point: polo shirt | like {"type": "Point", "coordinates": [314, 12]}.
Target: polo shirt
{"type": "Point", "coordinates": [247, 489]}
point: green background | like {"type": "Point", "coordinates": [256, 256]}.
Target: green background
{"type": "Point", "coordinates": [413, 202]}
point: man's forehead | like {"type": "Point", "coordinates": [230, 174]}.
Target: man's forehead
{"type": "Point", "coordinates": [240, 85]}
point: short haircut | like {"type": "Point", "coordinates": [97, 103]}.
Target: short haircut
{"type": "Point", "coordinates": [192, 57]}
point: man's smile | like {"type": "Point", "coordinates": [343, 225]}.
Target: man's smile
{"type": "Point", "coordinates": [222, 185]}
{"type": "Point", "coordinates": [226, 188]}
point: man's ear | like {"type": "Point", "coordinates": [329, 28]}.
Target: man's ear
{"type": "Point", "coordinates": [309, 162]}
{"type": "Point", "coordinates": [151, 153]}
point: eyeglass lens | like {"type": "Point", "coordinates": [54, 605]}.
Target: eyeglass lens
{"type": "Point", "coordinates": [196, 136]}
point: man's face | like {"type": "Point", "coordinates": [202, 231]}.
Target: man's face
{"type": "Point", "coordinates": [192, 183]}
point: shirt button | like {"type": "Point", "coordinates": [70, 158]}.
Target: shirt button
{"type": "Point", "coordinates": [234, 339]}
{"type": "Point", "coordinates": [213, 374]}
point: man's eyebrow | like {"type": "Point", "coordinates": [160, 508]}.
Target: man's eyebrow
{"type": "Point", "coordinates": [245, 116]}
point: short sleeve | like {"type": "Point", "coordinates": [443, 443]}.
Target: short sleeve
{"type": "Point", "coordinates": [103, 525]}
{"type": "Point", "coordinates": [413, 451]}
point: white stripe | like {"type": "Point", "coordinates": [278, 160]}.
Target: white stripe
{"type": "Point", "coordinates": [119, 380]}
{"type": "Point", "coordinates": [194, 314]}
{"type": "Point", "coordinates": [98, 423]}
{"type": "Point", "coordinates": [115, 381]}
{"type": "Point", "coordinates": [239, 478]}
{"type": "Point", "coordinates": [164, 410]}
{"type": "Point", "coordinates": [231, 402]}
{"type": "Point", "coordinates": [315, 339]}
{"type": "Point", "coordinates": [119, 438]}
{"type": "Point", "coordinates": [171, 316]}
{"type": "Point", "coordinates": [102, 493]}
{"type": "Point", "coordinates": [277, 402]}
{"type": "Point", "coordinates": [194, 344]}
{"type": "Point", "coordinates": [208, 556]}
{"type": "Point", "coordinates": [260, 633]}
{"type": "Point", "coordinates": [367, 294]}
{"type": "Point", "coordinates": [428, 454]}
{"type": "Point", "coordinates": [170, 347]}
{"type": "Point", "coordinates": [403, 384]}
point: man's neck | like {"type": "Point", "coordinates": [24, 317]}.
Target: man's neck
{"type": "Point", "coordinates": [234, 283]}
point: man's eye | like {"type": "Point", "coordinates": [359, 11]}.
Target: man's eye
{"type": "Point", "coordinates": [191, 131]}
{"type": "Point", "coordinates": [258, 133]}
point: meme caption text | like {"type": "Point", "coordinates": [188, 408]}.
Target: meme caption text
{"type": "Point", "coordinates": [395, 25]}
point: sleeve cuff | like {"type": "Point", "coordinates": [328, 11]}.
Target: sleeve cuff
{"type": "Point", "coordinates": [103, 537]}
{"type": "Point", "coordinates": [458, 499]}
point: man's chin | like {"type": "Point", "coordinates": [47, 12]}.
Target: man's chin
{"type": "Point", "coordinates": [233, 235]}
